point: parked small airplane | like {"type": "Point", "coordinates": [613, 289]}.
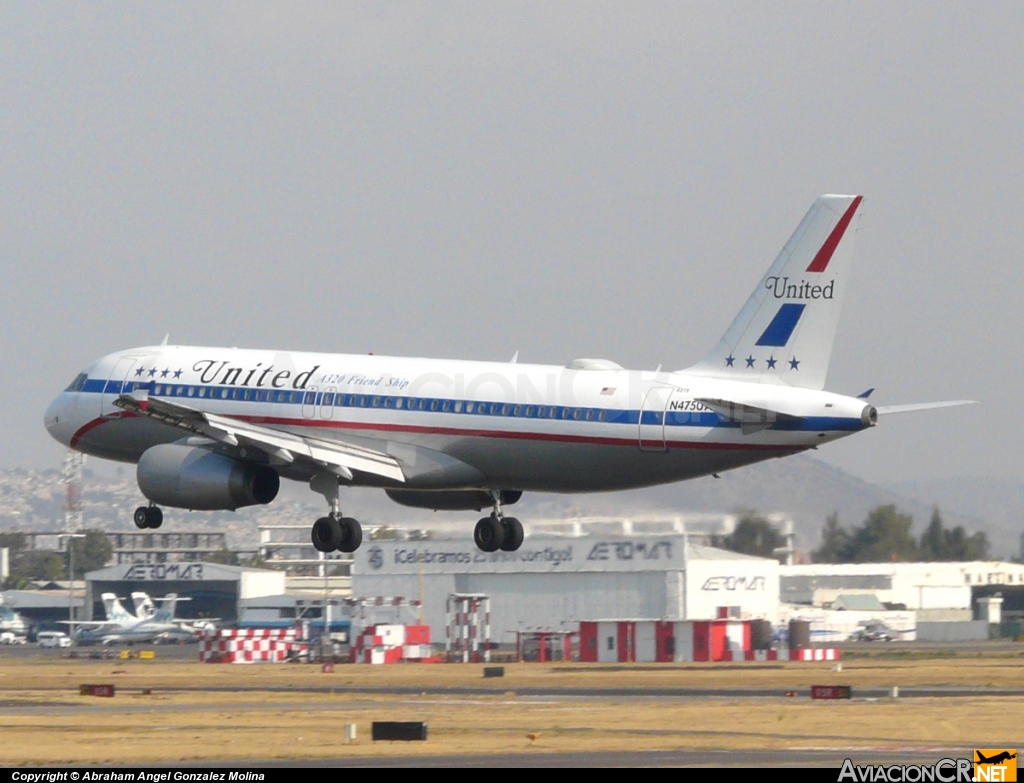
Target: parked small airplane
{"type": "Point", "coordinates": [123, 626]}
{"type": "Point", "coordinates": [217, 428]}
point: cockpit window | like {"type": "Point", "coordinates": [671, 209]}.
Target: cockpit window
{"type": "Point", "coordinates": [78, 383]}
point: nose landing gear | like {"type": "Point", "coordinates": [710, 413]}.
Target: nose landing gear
{"type": "Point", "coordinates": [150, 517]}
{"type": "Point", "coordinates": [498, 531]}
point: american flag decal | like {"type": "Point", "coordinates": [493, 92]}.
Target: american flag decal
{"type": "Point", "coordinates": [608, 390]}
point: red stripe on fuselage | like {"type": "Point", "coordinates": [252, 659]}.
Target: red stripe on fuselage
{"type": "Point", "coordinates": [503, 434]}
{"type": "Point", "coordinates": [824, 255]}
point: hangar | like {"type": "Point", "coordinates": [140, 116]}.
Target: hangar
{"type": "Point", "coordinates": [215, 590]}
{"type": "Point", "coordinates": [554, 583]}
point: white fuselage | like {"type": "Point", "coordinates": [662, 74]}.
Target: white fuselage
{"type": "Point", "coordinates": [458, 424]}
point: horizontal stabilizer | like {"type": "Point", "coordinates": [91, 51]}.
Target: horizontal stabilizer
{"type": "Point", "coordinates": [884, 410]}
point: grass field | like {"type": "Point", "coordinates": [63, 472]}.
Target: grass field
{"type": "Point", "coordinates": [253, 715]}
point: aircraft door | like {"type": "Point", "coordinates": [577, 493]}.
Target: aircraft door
{"type": "Point", "coordinates": [327, 403]}
{"type": "Point", "coordinates": [309, 402]}
{"type": "Point", "coordinates": [114, 385]}
{"type": "Point", "coordinates": [652, 417]}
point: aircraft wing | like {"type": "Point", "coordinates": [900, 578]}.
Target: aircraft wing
{"type": "Point", "coordinates": [884, 410]}
{"type": "Point", "coordinates": [285, 446]}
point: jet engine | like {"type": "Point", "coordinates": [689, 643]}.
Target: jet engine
{"type": "Point", "coordinates": [451, 500]}
{"type": "Point", "coordinates": [194, 478]}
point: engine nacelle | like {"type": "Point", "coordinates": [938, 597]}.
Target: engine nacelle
{"type": "Point", "coordinates": [194, 478]}
{"type": "Point", "coordinates": [451, 500]}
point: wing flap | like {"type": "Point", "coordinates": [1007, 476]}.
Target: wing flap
{"type": "Point", "coordinates": [282, 445]}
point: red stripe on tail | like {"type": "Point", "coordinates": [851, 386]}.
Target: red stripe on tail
{"type": "Point", "coordinates": [821, 260]}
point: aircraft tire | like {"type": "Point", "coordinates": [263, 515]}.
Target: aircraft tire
{"type": "Point", "coordinates": [156, 517]}
{"type": "Point", "coordinates": [488, 534]}
{"type": "Point", "coordinates": [141, 517]}
{"type": "Point", "coordinates": [352, 534]}
{"type": "Point", "coordinates": [326, 534]}
{"type": "Point", "coordinates": [513, 534]}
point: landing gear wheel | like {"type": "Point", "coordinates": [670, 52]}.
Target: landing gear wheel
{"type": "Point", "coordinates": [352, 534]}
{"type": "Point", "coordinates": [327, 534]}
{"type": "Point", "coordinates": [489, 534]}
{"type": "Point", "coordinates": [513, 534]}
{"type": "Point", "coordinates": [141, 517]}
{"type": "Point", "coordinates": [148, 517]}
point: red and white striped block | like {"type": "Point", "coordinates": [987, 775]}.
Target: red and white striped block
{"type": "Point", "coordinates": [249, 656]}
{"type": "Point", "coordinates": [417, 652]}
{"type": "Point", "coordinates": [826, 654]}
{"type": "Point", "coordinates": [252, 633]}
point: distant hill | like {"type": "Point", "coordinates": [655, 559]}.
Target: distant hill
{"type": "Point", "coordinates": [805, 488]}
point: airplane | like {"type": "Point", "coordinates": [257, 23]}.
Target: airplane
{"type": "Point", "coordinates": [217, 428]}
{"type": "Point", "coordinates": [11, 621]}
{"type": "Point", "coordinates": [123, 626]}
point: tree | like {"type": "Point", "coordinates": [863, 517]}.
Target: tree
{"type": "Point", "coordinates": [885, 535]}
{"type": "Point", "coordinates": [753, 535]}
{"type": "Point", "coordinates": [835, 542]}
{"type": "Point", "coordinates": [92, 552]}
{"type": "Point", "coordinates": [37, 565]}
{"type": "Point", "coordinates": [940, 544]}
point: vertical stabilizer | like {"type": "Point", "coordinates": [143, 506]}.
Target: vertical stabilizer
{"type": "Point", "coordinates": [115, 611]}
{"type": "Point", "coordinates": [785, 331]}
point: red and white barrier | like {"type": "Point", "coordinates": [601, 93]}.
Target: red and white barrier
{"type": "Point", "coordinates": [649, 641]}
{"type": "Point", "coordinates": [249, 645]}
{"type": "Point", "coordinates": [392, 643]}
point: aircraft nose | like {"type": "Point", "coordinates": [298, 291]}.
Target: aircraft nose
{"type": "Point", "coordinates": [57, 419]}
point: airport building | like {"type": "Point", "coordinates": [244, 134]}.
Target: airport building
{"type": "Point", "coordinates": [553, 583]}
{"type": "Point", "coordinates": [214, 590]}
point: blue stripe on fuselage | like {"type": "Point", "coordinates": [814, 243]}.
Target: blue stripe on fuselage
{"type": "Point", "coordinates": [706, 419]}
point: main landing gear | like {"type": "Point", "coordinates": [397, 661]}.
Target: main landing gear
{"type": "Point", "coordinates": [334, 533]}
{"type": "Point", "coordinates": [498, 531]}
{"type": "Point", "coordinates": [150, 517]}
{"type": "Point", "coordinates": [337, 534]}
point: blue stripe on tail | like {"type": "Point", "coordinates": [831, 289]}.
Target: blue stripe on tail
{"type": "Point", "coordinates": [779, 330]}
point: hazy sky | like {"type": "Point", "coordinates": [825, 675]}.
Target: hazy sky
{"type": "Point", "coordinates": [471, 179]}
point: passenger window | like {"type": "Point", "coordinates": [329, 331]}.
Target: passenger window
{"type": "Point", "coordinates": [362, 401]}
{"type": "Point", "coordinates": [180, 391]}
{"type": "Point", "coordinates": [576, 413]}
{"type": "Point", "coordinates": [191, 391]}
{"type": "Point", "coordinates": [590, 415]}
{"type": "Point", "coordinates": [376, 402]}
{"type": "Point", "coordinates": [505, 409]}
{"type": "Point", "coordinates": [554, 412]}
{"type": "Point", "coordinates": [446, 406]}
{"type": "Point", "coordinates": [433, 405]}
{"type": "Point", "coordinates": [328, 399]}
{"type": "Point", "coordinates": [422, 405]}
{"type": "Point", "coordinates": [202, 391]}
{"type": "Point", "coordinates": [399, 402]}
{"type": "Point", "coordinates": [529, 411]}
{"type": "Point", "coordinates": [458, 406]}
{"type": "Point", "coordinates": [495, 408]}
{"type": "Point", "coordinates": [470, 406]}
{"type": "Point", "coordinates": [224, 393]}
{"type": "Point", "coordinates": [517, 411]}
{"type": "Point", "coordinates": [566, 413]}
{"type": "Point", "coordinates": [600, 416]}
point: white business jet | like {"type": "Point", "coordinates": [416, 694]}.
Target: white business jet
{"type": "Point", "coordinates": [216, 428]}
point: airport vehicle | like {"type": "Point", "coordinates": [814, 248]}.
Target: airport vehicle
{"type": "Point", "coordinates": [122, 626]}
{"type": "Point", "coordinates": [8, 637]}
{"type": "Point", "coordinates": [217, 428]}
{"type": "Point", "coordinates": [53, 639]}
